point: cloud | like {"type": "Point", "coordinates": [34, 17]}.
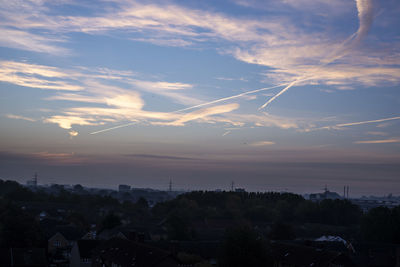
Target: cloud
{"type": "Point", "coordinates": [18, 117]}
{"type": "Point", "coordinates": [66, 122]}
{"type": "Point", "coordinates": [73, 133]}
{"type": "Point", "coordinates": [262, 143]}
{"type": "Point", "coordinates": [383, 141]}
{"type": "Point", "coordinates": [376, 133]}
{"type": "Point", "coordinates": [95, 101]}
{"type": "Point", "coordinates": [168, 89]}
{"type": "Point", "coordinates": [35, 76]}
{"type": "Point", "coordinates": [287, 48]}
{"type": "Point", "coordinates": [166, 157]}
{"type": "Point", "coordinates": [365, 15]}
{"type": "Point", "coordinates": [293, 54]}
{"type": "Point", "coordinates": [32, 42]}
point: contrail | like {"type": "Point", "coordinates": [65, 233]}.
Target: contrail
{"type": "Point", "coordinates": [365, 16]}
{"type": "Point", "coordinates": [354, 123]}
{"type": "Point", "coordinates": [112, 128]}
{"type": "Point", "coordinates": [226, 133]}
{"type": "Point", "coordinates": [278, 94]}
{"type": "Point", "coordinates": [231, 97]}
{"type": "Point", "coordinates": [201, 105]}
{"type": "Point", "coordinates": [366, 122]}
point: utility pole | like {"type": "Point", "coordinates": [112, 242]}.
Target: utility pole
{"type": "Point", "coordinates": [170, 185]}
{"type": "Point", "coordinates": [232, 186]}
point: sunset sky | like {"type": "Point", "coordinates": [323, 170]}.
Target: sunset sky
{"type": "Point", "coordinates": [288, 95]}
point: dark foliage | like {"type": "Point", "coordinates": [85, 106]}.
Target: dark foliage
{"type": "Point", "coordinates": [243, 247]}
{"type": "Point", "coordinates": [382, 225]}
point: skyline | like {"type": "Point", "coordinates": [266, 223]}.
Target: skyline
{"type": "Point", "coordinates": [277, 95]}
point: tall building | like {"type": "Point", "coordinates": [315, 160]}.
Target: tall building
{"type": "Point", "coordinates": [33, 181]}
{"type": "Point", "coordinates": [124, 188]}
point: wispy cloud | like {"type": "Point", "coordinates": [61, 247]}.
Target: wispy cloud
{"type": "Point", "coordinates": [163, 157]}
{"type": "Point", "coordinates": [32, 42]}
{"type": "Point", "coordinates": [18, 117]}
{"type": "Point", "coordinates": [294, 56]}
{"type": "Point", "coordinates": [108, 103]}
{"type": "Point", "coordinates": [383, 141]}
{"type": "Point", "coordinates": [35, 76]}
{"type": "Point", "coordinates": [365, 14]}
{"type": "Point", "coordinates": [262, 143]}
{"type": "Point", "coordinates": [377, 133]}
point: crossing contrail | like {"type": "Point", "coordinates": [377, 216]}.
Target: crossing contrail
{"type": "Point", "coordinates": [231, 97]}
{"type": "Point", "coordinates": [365, 16]}
{"type": "Point", "coordinates": [201, 105]}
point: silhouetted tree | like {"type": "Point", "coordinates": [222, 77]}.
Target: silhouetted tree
{"type": "Point", "coordinates": [243, 247]}
{"type": "Point", "coordinates": [382, 224]}
{"type": "Point", "coordinates": [111, 221]}
{"type": "Point", "coordinates": [282, 231]}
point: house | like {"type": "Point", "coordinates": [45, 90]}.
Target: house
{"type": "Point", "coordinates": [57, 241]}
{"type": "Point", "coordinates": [289, 255]}
{"type": "Point", "coordinates": [131, 233]}
{"type": "Point", "coordinates": [207, 250]}
{"type": "Point", "coordinates": [377, 255]}
{"type": "Point", "coordinates": [23, 257]}
{"type": "Point", "coordinates": [63, 237]}
{"type": "Point", "coordinates": [107, 234]}
{"type": "Point", "coordinates": [124, 253]}
{"type": "Point", "coordinates": [82, 252]}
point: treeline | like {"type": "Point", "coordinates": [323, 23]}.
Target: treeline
{"type": "Point", "coordinates": [255, 207]}
{"type": "Point", "coordinates": [286, 215]}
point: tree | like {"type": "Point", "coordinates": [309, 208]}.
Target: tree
{"type": "Point", "coordinates": [382, 224]}
{"type": "Point", "coordinates": [78, 188]}
{"type": "Point", "coordinates": [111, 221]}
{"type": "Point", "coordinates": [282, 231]}
{"type": "Point", "coordinates": [177, 227]}
{"type": "Point", "coordinates": [142, 203]}
{"type": "Point", "coordinates": [18, 229]}
{"type": "Point", "coordinates": [243, 247]}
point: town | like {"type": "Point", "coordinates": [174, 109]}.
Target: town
{"type": "Point", "coordinates": [64, 225]}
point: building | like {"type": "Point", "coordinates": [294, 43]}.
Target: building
{"type": "Point", "coordinates": [325, 195]}
{"type": "Point", "coordinates": [289, 255]}
{"type": "Point", "coordinates": [240, 190]}
{"type": "Point", "coordinates": [124, 188]}
{"type": "Point", "coordinates": [124, 253]}
{"type": "Point", "coordinates": [23, 257]}
{"type": "Point", "coordinates": [82, 253]}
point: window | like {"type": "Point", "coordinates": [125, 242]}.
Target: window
{"type": "Point", "coordinates": [86, 260]}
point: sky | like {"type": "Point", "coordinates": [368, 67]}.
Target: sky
{"type": "Point", "coordinates": [275, 95]}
